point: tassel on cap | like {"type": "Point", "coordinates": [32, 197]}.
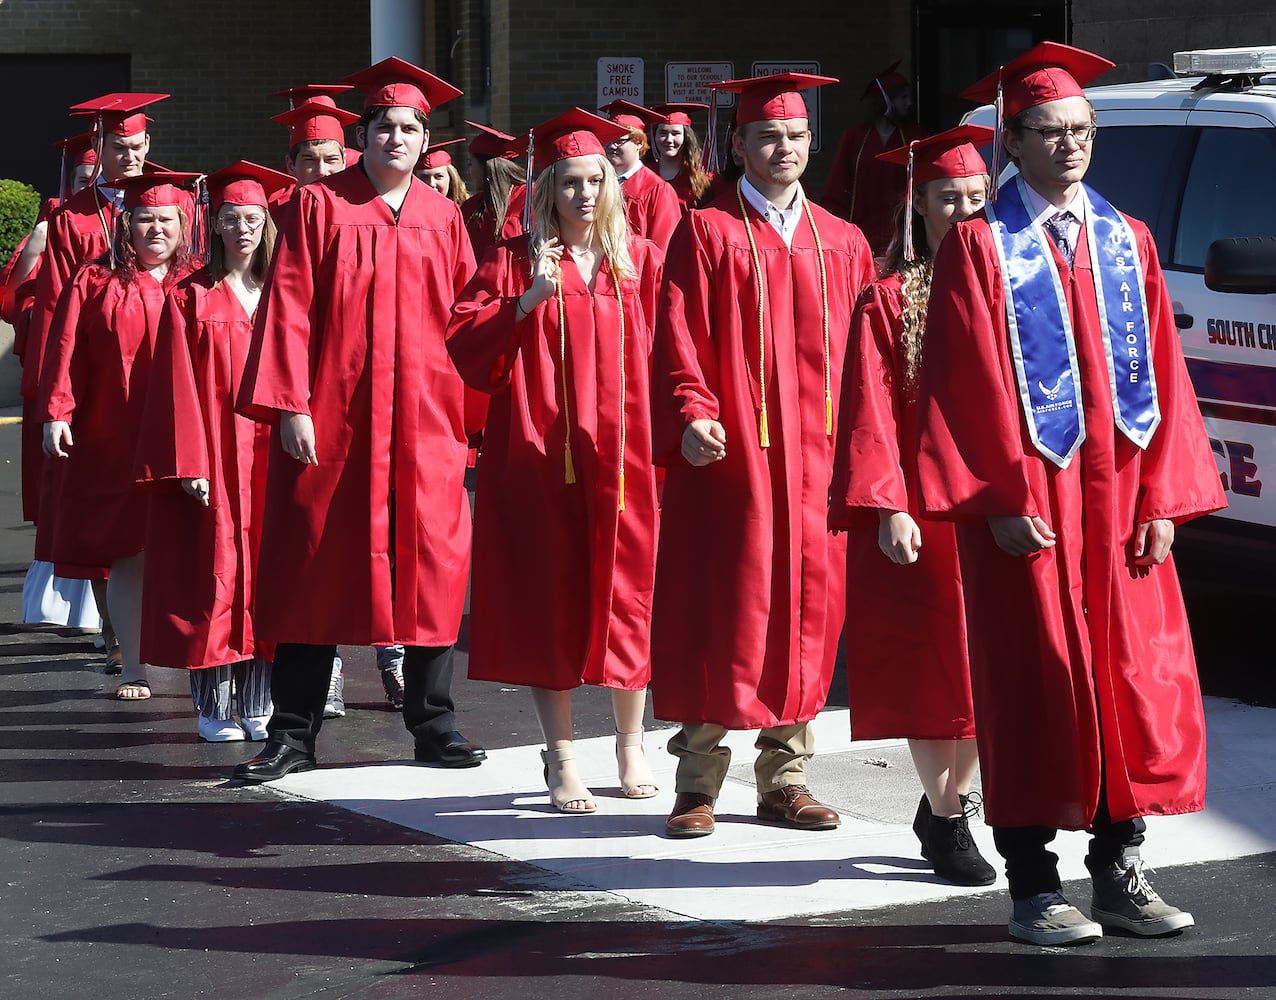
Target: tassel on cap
{"type": "Point", "coordinates": [910, 254]}
{"type": "Point", "coordinates": [527, 202]}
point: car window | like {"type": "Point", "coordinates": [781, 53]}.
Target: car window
{"type": "Point", "coordinates": [1228, 192]}
{"type": "Point", "coordinates": [1139, 169]}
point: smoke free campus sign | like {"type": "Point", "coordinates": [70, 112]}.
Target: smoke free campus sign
{"type": "Point", "coordinates": [620, 77]}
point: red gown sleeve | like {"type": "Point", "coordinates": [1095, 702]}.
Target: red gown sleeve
{"type": "Point", "coordinates": [59, 374]}
{"type": "Point", "coordinates": [277, 369]}
{"type": "Point", "coordinates": [970, 458]}
{"type": "Point", "coordinates": [680, 389]}
{"type": "Point", "coordinates": [173, 442]}
{"type": "Point", "coordinates": [1178, 479]}
{"type": "Point", "coordinates": [483, 337]}
{"type": "Point", "coordinates": [868, 471]}
{"type": "Point", "coordinates": [57, 267]}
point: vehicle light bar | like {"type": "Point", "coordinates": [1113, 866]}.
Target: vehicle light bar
{"type": "Point", "coordinates": [1205, 62]}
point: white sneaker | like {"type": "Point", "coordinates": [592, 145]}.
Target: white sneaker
{"type": "Point", "coordinates": [219, 730]}
{"type": "Point", "coordinates": [255, 729]}
{"type": "Point", "coordinates": [335, 706]}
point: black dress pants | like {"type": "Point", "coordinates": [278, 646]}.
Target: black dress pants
{"type": "Point", "coordinates": [299, 689]}
{"type": "Point", "coordinates": [1031, 869]}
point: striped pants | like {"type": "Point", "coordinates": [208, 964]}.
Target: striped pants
{"type": "Point", "coordinates": [212, 689]}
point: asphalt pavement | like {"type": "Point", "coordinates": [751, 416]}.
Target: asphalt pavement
{"type": "Point", "coordinates": [132, 867]}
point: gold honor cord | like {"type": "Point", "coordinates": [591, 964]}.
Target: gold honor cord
{"type": "Point", "coordinates": [764, 433]}
{"type": "Point", "coordinates": [569, 468]}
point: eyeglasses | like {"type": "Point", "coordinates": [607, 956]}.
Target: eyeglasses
{"type": "Point", "coordinates": [1081, 134]}
{"type": "Point", "coordinates": [249, 222]}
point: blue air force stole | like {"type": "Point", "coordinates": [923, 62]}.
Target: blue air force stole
{"type": "Point", "coordinates": [1042, 341]}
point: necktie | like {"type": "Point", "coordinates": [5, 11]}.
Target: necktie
{"type": "Point", "coordinates": [1057, 227]}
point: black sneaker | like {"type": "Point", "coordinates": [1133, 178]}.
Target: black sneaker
{"type": "Point", "coordinates": [953, 853]}
{"type": "Point", "coordinates": [1124, 898]}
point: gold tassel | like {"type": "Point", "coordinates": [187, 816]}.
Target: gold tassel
{"type": "Point", "coordinates": [622, 491]}
{"type": "Point", "coordinates": [828, 414]}
{"type": "Point", "coordinates": [569, 468]}
{"type": "Point", "coordinates": [764, 433]}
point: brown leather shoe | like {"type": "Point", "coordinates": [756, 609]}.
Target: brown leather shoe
{"type": "Point", "coordinates": [795, 806]}
{"type": "Point", "coordinates": [692, 816]}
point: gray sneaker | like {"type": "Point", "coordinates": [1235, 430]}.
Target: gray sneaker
{"type": "Point", "coordinates": [1123, 898]}
{"type": "Point", "coordinates": [335, 706]}
{"type": "Point", "coordinates": [1049, 919]}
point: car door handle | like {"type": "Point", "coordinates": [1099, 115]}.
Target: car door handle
{"type": "Point", "coordinates": [1184, 321]}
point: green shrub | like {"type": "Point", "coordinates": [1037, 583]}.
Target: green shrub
{"type": "Point", "coordinates": [19, 206]}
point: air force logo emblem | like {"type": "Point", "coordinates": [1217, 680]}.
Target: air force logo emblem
{"type": "Point", "coordinates": [1052, 393]}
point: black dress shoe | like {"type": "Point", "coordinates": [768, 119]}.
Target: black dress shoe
{"type": "Point", "coordinates": [449, 750]}
{"type": "Point", "coordinates": [275, 760]}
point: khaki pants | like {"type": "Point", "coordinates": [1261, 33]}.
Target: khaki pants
{"type": "Point", "coordinates": [703, 761]}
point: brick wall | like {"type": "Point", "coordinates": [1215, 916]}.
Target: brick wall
{"type": "Point", "coordinates": [218, 60]}
{"type": "Point", "coordinates": [543, 64]}
{"type": "Point", "coordinates": [1133, 33]}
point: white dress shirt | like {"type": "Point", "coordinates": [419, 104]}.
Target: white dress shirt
{"type": "Point", "coordinates": [783, 220]}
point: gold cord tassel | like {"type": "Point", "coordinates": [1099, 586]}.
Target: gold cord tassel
{"type": "Point", "coordinates": [764, 432]}
{"type": "Point", "coordinates": [569, 467]}
{"type": "Point", "coordinates": [828, 414]}
{"type": "Point", "coordinates": [621, 505]}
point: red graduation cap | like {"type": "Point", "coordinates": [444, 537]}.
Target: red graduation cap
{"type": "Point", "coordinates": [245, 183]}
{"type": "Point", "coordinates": [886, 81]}
{"type": "Point", "coordinates": [77, 149]}
{"type": "Point", "coordinates": [306, 92]}
{"type": "Point", "coordinates": [678, 114]}
{"type": "Point", "coordinates": [316, 118]}
{"type": "Point", "coordinates": [954, 153]}
{"type": "Point", "coordinates": [491, 142]}
{"type": "Point", "coordinates": [771, 98]}
{"type": "Point", "coordinates": [162, 188]}
{"type": "Point", "coordinates": [118, 114]}
{"type": "Point", "coordinates": [1046, 72]}
{"type": "Point", "coordinates": [396, 83]}
{"type": "Point", "coordinates": [633, 116]}
{"type": "Point", "coordinates": [437, 155]}
{"type": "Point", "coordinates": [574, 133]}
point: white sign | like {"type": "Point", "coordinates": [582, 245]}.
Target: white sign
{"type": "Point", "coordinates": [811, 96]}
{"type": "Point", "coordinates": [620, 78]}
{"type": "Point", "coordinates": [688, 82]}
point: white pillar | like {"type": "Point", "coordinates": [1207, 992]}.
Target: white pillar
{"type": "Point", "coordinates": [398, 29]}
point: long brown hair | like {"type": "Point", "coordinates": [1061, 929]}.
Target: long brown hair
{"type": "Point", "coordinates": [690, 162]}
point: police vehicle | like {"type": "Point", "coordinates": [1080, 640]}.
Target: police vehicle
{"type": "Point", "coordinates": [1194, 157]}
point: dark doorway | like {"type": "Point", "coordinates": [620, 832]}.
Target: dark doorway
{"type": "Point", "coordinates": [47, 85]}
{"type": "Point", "coordinates": [957, 42]}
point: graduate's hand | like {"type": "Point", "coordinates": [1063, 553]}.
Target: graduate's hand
{"type": "Point", "coordinates": [57, 438]}
{"type": "Point", "coordinates": [704, 442]}
{"type": "Point", "coordinates": [545, 277]}
{"type": "Point", "coordinates": [898, 536]}
{"type": "Point", "coordinates": [198, 488]}
{"type": "Point", "coordinates": [1021, 535]}
{"type": "Point", "coordinates": [1152, 541]}
{"type": "Point", "coordinates": [297, 435]}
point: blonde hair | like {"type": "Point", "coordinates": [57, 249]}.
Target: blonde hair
{"type": "Point", "coordinates": [456, 189]}
{"type": "Point", "coordinates": [610, 224]}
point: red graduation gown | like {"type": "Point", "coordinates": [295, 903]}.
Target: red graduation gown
{"type": "Point", "coordinates": [95, 375]}
{"type": "Point", "coordinates": [1081, 662]}
{"type": "Point", "coordinates": [862, 188]}
{"type": "Point", "coordinates": [906, 663]}
{"type": "Point", "coordinates": [652, 208]}
{"type": "Point", "coordinates": [370, 546]}
{"type": "Point", "coordinates": [482, 228]}
{"type": "Point", "coordinates": [749, 590]}
{"type": "Point", "coordinates": [76, 234]}
{"type": "Point", "coordinates": [562, 578]}
{"type": "Point", "coordinates": [17, 302]}
{"type": "Point", "coordinates": [200, 561]}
